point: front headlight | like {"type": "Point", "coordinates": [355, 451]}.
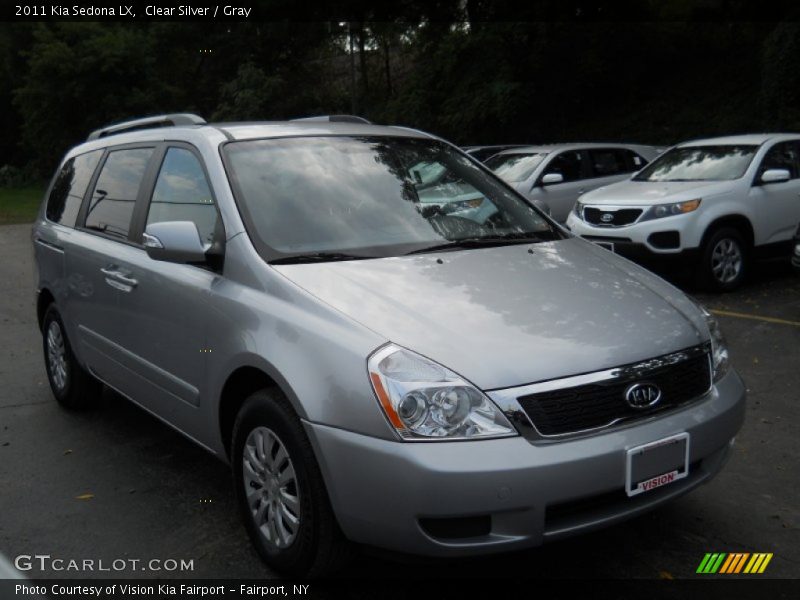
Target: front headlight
{"type": "Point", "coordinates": [425, 401]}
{"type": "Point", "coordinates": [668, 210]}
{"type": "Point", "coordinates": [578, 209]}
{"type": "Point", "coordinates": [719, 348]}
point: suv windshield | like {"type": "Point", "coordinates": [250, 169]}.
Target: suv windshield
{"type": "Point", "coordinates": [515, 167]}
{"type": "Point", "coordinates": [337, 197]}
{"type": "Point", "coordinates": [699, 163]}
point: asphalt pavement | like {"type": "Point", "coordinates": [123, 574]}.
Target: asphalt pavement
{"type": "Point", "coordinates": [115, 483]}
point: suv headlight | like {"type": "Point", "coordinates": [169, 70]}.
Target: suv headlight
{"type": "Point", "coordinates": [578, 209]}
{"type": "Point", "coordinates": [719, 348]}
{"type": "Point", "coordinates": [425, 401]}
{"type": "Point", "coordinates": [668, 210]}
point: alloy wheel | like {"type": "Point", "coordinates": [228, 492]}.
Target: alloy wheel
{"type": "Point", "coordinates": [726, 260]}
{"type": "Point", "coordinates": [271, 488]}
{"type": "Point", "coordinates": [57, 355]}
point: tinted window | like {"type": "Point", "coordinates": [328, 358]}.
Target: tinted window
{"type": "Point", "coordinates": [607, 162]}
{"type": "Point", "coordinates": [515, 167]}
{"type": "Point", "coordinates": [114, 196]}
{"type": "Point", "coordinates": [699, 163]}
{"type": "Point", "coordinates": [569, 164]}
{"type": "Point", "coordinates": [361, 195]}
{"type": "Point", "coordinates": [182, 194]}
{"type": "Point", "coordinates": [782, 156]}
{"type": "Point", "coordinates": [70, 186]}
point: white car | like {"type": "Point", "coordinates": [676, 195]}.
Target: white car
{"type": "Point", "coordinates": [558, 174]}
{"type": "Point", "coordinates": [717, 202]}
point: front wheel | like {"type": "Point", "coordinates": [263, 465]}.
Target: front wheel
{"type": "Point", "coordinates": [724, 261]}
{"type": "Point", "coordinates": [280, 491]}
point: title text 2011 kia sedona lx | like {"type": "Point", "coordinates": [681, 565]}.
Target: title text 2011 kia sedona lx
{"type": "Point", "coordinates": [376, 366]}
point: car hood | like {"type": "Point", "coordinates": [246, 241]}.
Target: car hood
{"type": "Point", "coordinates": [653, 192]}
{"type": "Point", "coordinates": [502, 316]}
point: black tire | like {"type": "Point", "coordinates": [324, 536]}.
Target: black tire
{"type": "Point", "coordinates": [72, 386]}
{"type": "Point", "coordinates": [319, 547]}
{"type": "Point", "coordinates": [713, 272]}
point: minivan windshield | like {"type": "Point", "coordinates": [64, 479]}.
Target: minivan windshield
{"type": "Point", "coordinates": [346, 197]}
{"type": "Point", "coordinates": [515, 167]}
{"type": "Point", "coordinates": [699, 163]}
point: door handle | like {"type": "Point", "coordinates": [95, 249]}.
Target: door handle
{"type": "Point", "coordinates": [582, 191]}
{"type": "Point", "coordinates": [126, 280]}
{"type": "Point", "coordinates": [118, 279]}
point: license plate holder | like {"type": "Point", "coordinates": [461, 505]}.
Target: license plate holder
{"type": "Point", "coordinates": [655, 464]}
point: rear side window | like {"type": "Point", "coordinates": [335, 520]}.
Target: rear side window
{"type": "Point", "coordinates": [69, 187]}
{"type": "Point", "coordinates": [111, 205]}
{"type": "Point", "coordinates": [607, 162]}
{"type": "Point", "coordinates": [636, 161]}
{"type": "Point", "coordinates": [182, 193]}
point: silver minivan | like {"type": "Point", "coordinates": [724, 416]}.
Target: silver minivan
{"type": "Point", "coordinates": [376, 369]}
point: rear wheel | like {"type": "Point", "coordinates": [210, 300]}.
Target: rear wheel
{"type": "Point", "coordinates": [724, 260]}
{"type": "Point", "coordinates": [280, 491]}
{"type": "Point", "coordinates": [72, 386]}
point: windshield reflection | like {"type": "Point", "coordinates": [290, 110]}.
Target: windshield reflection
{"type": "Point", "coordinates": [370, 197]}
{"type": "Point", "coordinates": [699, 163]}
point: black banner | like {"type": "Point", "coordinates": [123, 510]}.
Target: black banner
{"type": "Point", "coordinates": [505, 588]}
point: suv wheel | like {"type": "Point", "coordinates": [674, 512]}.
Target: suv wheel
{"type": "Point", "coordinates": [280, 491]}
{"type": "Point", "coordinates": [724, 260]}
{"type": "Point", "coordinates": [72, 386]}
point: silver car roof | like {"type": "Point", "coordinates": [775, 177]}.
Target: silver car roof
{"type": "Point", "coordinates": [746, 139]}
{"type": "Point", "coordinates": [548, 148]}
{"type": "Point", "coordinates": [221, 132]}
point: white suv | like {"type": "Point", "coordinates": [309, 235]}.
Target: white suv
{"type": "Point", "coordinates": [717, 202]}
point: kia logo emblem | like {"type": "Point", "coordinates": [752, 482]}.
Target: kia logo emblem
{"type": "Point", "coordinates": [642, 395]}
{"type": "Point", "coordinates": [607, 218]}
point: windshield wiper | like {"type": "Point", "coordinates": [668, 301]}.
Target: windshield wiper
{"type": "Point", "coordinates": [481, 242]}
{"type": "Point", "coordinates": [317, 257]}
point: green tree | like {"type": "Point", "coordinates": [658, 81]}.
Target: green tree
{"type": "Point", "coordinates": [81, 76]}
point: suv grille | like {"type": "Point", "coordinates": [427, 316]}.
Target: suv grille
{"type": "Point", "coordinates": [594, 405]}
{"type": "Point", "coordinates": [611, 218]}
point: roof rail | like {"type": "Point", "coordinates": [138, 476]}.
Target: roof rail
{"type": "Point", "coordinates": [336, 119]}
{"type": "Point", "coordinates": [171, 120]}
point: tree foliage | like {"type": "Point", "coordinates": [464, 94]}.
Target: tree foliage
{"type": "Point", "coordinates": [457, 68]}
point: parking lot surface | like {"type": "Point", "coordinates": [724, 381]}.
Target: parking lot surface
{"type": "Point", "coordinates": [115, 483]}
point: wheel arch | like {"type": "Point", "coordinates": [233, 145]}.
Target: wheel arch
{"type": "Point", "coordinates": [43, 299]}
{"type": "Point", "coordinates": [736, 221]}
{"type": "Point", "coordinates": [242, 381]}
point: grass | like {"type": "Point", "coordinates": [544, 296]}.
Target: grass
{"type": "Point", "coordinates": [20, 205]}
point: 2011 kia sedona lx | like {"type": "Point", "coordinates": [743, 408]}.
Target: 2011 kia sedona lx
{"type": "Point", "coordinates": [376, 368]}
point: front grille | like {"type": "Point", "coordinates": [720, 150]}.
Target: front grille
{"type": "Point", "coordinates": [599, 404]}
{"type": "Point", "coordinates": [610, 218]}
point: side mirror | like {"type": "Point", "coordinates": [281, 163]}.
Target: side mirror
{"type": "Point", "coordinates": [551, 178]}
{"type": "Point", "coordinates": [775, 175]}
{"type": "Point", "coordinates": [174, 241]}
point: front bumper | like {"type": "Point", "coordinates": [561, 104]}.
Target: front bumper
{"type": "Point", "coordinates": [526, 493]}
{"type": "Point", "coordinates": [670, 238]}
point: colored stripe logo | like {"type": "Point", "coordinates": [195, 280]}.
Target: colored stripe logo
{"type": "Point", "coordinates": [734, 563]}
